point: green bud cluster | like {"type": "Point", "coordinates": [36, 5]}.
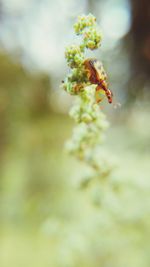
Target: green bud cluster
{"type": "Point", "coordinates": [83, 22]}
{"type": "Point", "coordinates": [89, 133]}
{"type": "Point", "coordinates": [74, 56]}
{"type": "Point", "coordinates": [92, 38]}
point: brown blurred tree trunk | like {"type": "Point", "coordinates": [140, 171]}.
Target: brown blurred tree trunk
{"type": "Point", "coordinates": [140, 33]}
{"type": "Point", "coordinates": [139, 42]}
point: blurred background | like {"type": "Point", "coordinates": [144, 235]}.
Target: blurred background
{"type": "Point", "coordinates": [42, 222]}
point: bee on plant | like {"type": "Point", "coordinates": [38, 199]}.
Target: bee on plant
{"type": "Point", "coordinates": [97, 75]}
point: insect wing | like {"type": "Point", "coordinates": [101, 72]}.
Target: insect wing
{"type": "Point", "coordinates": [100, 70]}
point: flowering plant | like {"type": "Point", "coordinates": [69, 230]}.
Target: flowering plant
{"type": "Point", "coordinates": [89, 133]}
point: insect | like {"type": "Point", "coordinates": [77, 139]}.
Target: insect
{"type": "Point", "coordinates": [97, 75]}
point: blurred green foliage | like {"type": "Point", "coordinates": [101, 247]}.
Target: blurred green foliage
{"type": "Point", "coordinates": [45, 219]}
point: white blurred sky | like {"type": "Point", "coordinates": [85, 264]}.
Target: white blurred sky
{"type": "Point", "coordinates": [42, 28]}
